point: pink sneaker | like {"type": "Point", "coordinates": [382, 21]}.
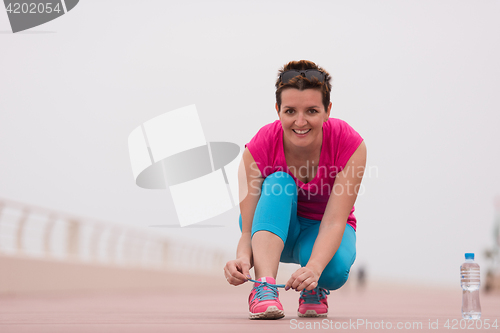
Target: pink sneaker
{"type": "Point", "coordinates": [313, 303]}
{"type": "Point", "coordinates": [263, 300]}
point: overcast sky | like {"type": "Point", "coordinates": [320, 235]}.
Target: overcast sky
{"type": "Point", "coordinates": [419, 80]}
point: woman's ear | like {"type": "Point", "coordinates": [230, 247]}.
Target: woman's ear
{"type": "Point", "coordinates": [328, 111]}
{"type": "Point", "coordinates": [278, 110]}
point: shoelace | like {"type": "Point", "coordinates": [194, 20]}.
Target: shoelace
{"type": "Point", "coordinates": [310, 298]}
{"type": "Point", "coordinates": [269, 294]}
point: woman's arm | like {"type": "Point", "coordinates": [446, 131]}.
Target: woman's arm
{"type": "Point", "coordinates": [331, 230]}
{"type": "Point", "coordinates": [250, 183]}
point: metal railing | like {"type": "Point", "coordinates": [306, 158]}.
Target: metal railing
{"type": "Point", "coordinates": [27, 230]}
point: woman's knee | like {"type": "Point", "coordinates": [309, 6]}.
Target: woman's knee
{"type": "Point", "coordinates": [279, 183]}
{"type": "Point", "coordinates": [334, 276]}
{"type": "Point", "coordinates": [336, 273]}
{"type": "Point", "coordinates": [279, 175]}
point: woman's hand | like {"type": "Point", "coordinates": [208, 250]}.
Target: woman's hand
{"type": "Point", "coordinates": [237, 271]}
{"type": "Point", "coordinates": [303, 278]}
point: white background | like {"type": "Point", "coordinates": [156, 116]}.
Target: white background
{"type": "Point", "coordinates": [419, 80]}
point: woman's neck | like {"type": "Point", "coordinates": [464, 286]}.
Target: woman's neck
{"type": "Point", "coordinates": [311, 152]}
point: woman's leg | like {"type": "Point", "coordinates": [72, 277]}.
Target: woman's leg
{"type": "Point", "coordinates": [275, 227]}
{"type": "Point", "coordinates": [336, 272]}
{"type": "Point", "coordinates": [266, 250]}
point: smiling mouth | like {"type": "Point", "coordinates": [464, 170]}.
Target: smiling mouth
{"type": "Point", "coordinates": [301, 132]}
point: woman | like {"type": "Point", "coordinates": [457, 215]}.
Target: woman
{"type": "Point", "coordinates": [301, 177]}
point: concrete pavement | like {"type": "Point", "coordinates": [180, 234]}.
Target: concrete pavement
{"type": "Point", "coordinates": [208, 304]}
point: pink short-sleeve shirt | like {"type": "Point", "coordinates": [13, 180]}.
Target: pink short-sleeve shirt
{"type": "Point", "coordinates": [340, 141]}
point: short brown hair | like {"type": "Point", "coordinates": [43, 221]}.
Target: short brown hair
{"type": "Point", "coordinates": [302, 83]}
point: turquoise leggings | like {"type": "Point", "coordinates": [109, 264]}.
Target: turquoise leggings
{"type": "Point", "coordinates": [276, 212]}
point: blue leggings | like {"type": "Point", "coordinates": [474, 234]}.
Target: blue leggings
{"type": "Point", "coordinates": [276, 212]}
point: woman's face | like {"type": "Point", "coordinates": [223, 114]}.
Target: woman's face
{"type": "Point", "coordinates": [302, 115]}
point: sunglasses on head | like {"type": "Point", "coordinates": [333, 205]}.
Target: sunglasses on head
{"type": "Point", "coordinates": [309, 74]}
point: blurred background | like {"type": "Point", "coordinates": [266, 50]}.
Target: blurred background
{"type": "Point", "coordinates": [417, 79]}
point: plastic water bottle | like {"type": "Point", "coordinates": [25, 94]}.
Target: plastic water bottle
{"type": "Point", "coordinates": [469, 271]}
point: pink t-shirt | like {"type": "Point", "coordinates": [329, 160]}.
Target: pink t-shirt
{"type": "Point", "coordinates": [340, 141]}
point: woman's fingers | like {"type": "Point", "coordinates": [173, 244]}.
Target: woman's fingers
{"type": "Point", "coordinates": [303, 278]}
{"type": "Point", "coordinates": [233, 273]}
{"type": "Point", "coordinates": [309, 284]}
{"type": "Point", "coordinates": [232, 279]}
{"type": "Point", "coordinates": [294, 281]}
{"type": "Point", "coordinates": [236, 272]}
{"type": "Point", "coordinates": [245, 268]}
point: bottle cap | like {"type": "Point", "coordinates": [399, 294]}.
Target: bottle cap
{"type": "Point", "coordinates": [469, 256]}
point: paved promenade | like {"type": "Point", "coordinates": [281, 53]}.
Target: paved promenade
{"type": "Point", "coordinates": [196, 304]}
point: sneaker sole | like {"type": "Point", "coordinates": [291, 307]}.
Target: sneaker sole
{"type": "Point", "coordinates": [272, 312]}
{"type": "Point", "coordinates": [311, 313]}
